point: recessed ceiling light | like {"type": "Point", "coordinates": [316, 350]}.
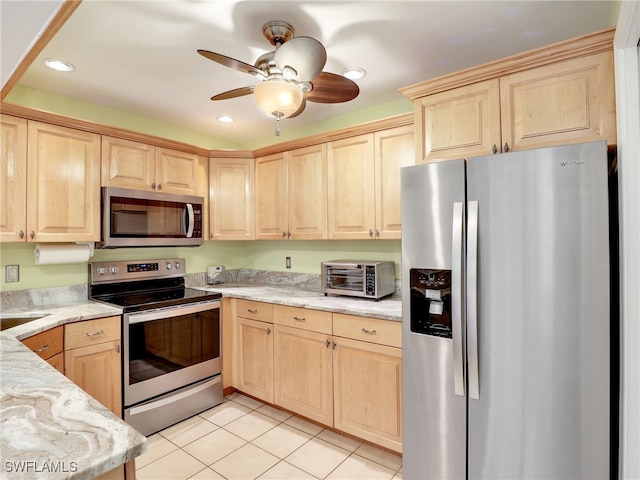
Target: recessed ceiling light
{"type": "Point", "coordinates": [59, 65]}
{"type": "Point", "coordinates": [226, 119]}
{"type": "Point", "coordinates": [354, 73]}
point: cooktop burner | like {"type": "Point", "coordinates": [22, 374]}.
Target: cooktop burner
{"type": "Point", "coordinates": [144, 285]}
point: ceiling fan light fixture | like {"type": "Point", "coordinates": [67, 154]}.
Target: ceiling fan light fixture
{"type": "Point", "coordinates": [278, 98]}
{"type": "Point", "coordinates": [354, 73]}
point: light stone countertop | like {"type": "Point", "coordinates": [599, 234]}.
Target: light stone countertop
{"type": "Point", "coordinates": [389, 308]}
{"type": "Point", "coordinates": [49, 427]}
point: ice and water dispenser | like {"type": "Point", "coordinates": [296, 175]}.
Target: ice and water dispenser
{"type": "Point", "coordinates": [430, 302]}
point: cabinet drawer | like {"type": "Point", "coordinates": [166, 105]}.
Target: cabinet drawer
{"type": "Point", "coordinates": [256, 310]}
{"type": "Point", "coordinates": [373, 330]}
{"type": "Point", "coordinates": [47, 343]}
{"type": "Point", "coordinates": [91, 332]}
{"type": "Point", "coordinates": [305, 318]}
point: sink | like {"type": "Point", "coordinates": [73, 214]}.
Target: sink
{"type": "Point", "coordinates": [9, 322]}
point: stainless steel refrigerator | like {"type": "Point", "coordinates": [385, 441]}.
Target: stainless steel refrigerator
{"type": "Point", "coordinates": [506, 316]}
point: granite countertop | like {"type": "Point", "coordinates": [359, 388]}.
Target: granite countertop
{"type": "Point", "coordinates": [389, 308]}
{"type": "Point", "coordinates": [49, 427]}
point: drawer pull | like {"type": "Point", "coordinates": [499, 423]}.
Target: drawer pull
{"type": "Point", "coordinates": [95, 334]}
{"type": "Point", "coordinates": [43, 349]}
{"type": "Point", "coordinates": [251, 310]}
{"type": "Point", "coordinates": [299, 319]}
{"type": "Point", "coordinates": [368, 332]}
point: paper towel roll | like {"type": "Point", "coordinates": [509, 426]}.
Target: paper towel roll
{"type": "Point", "coordinates": [51, 254]}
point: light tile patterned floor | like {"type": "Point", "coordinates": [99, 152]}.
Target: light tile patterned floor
{"type": "Point", "coordinates": [244, 439]}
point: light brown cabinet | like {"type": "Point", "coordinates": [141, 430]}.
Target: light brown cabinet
{"type": "Point", "coordinates": [92, 359]}
{"type": "Point", "coordinates": [53, 193]}
{"type": "Point", "coordinates": [557, 95]}
{"type": "Point", "coordinates": [291, 195]}
{"type": "Point", "coordinates": [49, 346]}
{"type": "Point", "coordinates": [303, 366]}
{"type": "Point", "coordinates": [254, 349]}
{"type": "Point", "coordinates": [367, 366]}
{"type": "Point", "coordinates": [129, 164]}
{"type": "Point", "coordinates": [364, 183]}
{"type": "Point", "coordinates": [232, 199]}
{"type": "Point", "coordinates": [13, 179]}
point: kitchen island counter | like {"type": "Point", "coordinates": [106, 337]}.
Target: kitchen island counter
{"type": "Point", "coordinates": [49, 427]}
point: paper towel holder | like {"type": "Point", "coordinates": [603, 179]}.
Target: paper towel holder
{"type": "Point", "coordinates": [91, 245]}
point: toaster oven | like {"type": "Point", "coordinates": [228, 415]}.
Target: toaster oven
{"type": "Point", "coordinates": [366, 279]}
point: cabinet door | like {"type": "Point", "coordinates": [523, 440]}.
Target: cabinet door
{"type": "Point", "coordinates": [255, 358]}
{"type": "Point", "coordinates": [96, 369]}
{"type": "Point", "coordinates": [13, 179]}
{"type": "Point", "coordinates": [394, 149]}
{"type": "Point", "coordinates": [176, 172]}
{"type": "Point", "coordinates": [127, 164]}
{"type": "Point", "coordinates": [459, 123]}
{"type": "Point", "coordinates": [271, 198]}
{"type": "Point", "coordinates": [368, 391]}
{"type": "Point", "coordinates": [566, 102]}
{"type": "Point", "coordinates": [63, 185]}
{"type": "Point", "coordinates": [351, 177]}
{"type": "Point", "coordinates": [303, 373]}
{"type": "Point", "coordinates": [307, 168]}
{"type": "Point", "coordinates": [231, 198]}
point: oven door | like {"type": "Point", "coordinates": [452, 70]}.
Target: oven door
{"type": "Point", "coordinates": [169, 348]}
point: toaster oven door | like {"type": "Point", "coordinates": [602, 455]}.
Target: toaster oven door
{"type": "Point", "coordinates": [345, 278]}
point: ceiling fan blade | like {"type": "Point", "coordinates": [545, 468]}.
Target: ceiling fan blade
{"type": "Point", "coordinates": [332, 88]}
{"type": "Point", "coordinates": [232, 63]}
{"type": "Point", "coordinates": [236, 92]}
{"type": "Point", "coordinates": [305, 55]}
{"type": "Point", "coordinates": [300, 109]}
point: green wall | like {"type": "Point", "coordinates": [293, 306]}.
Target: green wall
{"type": "Point", "coordinates": [261, 255]}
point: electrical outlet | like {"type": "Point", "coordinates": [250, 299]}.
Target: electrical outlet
{"type": "Point", "coordinates": [288, 262]}
{"type": "Point", "coordinates": [12, 273]}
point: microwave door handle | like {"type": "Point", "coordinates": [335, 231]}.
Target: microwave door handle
{"type": "Point", "coordinates": [189, 220]}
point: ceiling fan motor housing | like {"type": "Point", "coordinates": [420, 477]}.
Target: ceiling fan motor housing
{"type": "Point", "coordinates": [278, 32]}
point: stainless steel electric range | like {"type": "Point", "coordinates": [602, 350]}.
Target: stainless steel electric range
{"type": "Point", "coordinates": [171, 335]}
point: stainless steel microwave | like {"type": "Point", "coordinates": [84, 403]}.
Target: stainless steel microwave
{"type": "Point", "coordinates": [137, 218]}
{"type": "Point", "coordinates": [366, 279]}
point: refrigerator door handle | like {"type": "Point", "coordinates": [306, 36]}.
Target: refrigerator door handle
{"type": "Point", "coordinates": [472, 301]}
{"type": "Point", "coordinates": [456, 298]}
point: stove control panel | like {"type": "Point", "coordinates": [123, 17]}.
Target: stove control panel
{"type": "Point", "coordinates": [103, 272]}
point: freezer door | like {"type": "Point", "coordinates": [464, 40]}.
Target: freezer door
{"type": "Point", "coordinates": [542, 314]}
{"type": "Point", "coordinates": [434, 417]}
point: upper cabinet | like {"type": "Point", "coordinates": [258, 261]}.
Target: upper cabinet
{"type": "Point", "coordinates": [560, 94]}
{"type": "Point", "coordinates": [130, 164]}
{"type": "Point", "coordinates": [231, 195]}
{"type": "Point", "coordinates": [364, 183]}
{"type": "Point", "coordinates": [291, 194]}
{"type": "Point", "coordinates": [50, 183]}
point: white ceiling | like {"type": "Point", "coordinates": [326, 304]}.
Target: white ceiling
{"type": "Point", "coordinates": [140, 56]}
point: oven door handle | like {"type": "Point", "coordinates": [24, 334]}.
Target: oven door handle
{"type": "Point", "coordinates": [178, 310]}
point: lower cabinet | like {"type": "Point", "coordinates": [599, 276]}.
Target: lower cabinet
{"type": "Point", "coordinates": [92, 359]}
{"type": "Point", "coordinates": [303, 365]}
{"type": "Point", "coordinates": [342, 371]}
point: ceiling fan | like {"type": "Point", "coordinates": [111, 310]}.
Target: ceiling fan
{"type": "Point", "coordinates": [291, 74]}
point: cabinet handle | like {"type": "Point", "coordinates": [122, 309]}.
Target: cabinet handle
{"type": "Point", "coordinates": [328, 343]}
{"type": "Point", "coordinates": [494, 150]}
{"type": "Point", "coordinates": [506, 147]}
{"type": "Point", "coordinates": [159, 186]}
{"type": "Point", "coordinates": [153, 186]}
{"type": "Point", "coordinates": [251, 310]}
{"type": "Point", "coordinates": [377, 233]}
{"type": "Point", "coordinates": [288, 235]}
{"type": "Point", "coordinates": [95, 334]}
{"type": "Point", "coordinates": [268, 331]}
{"type": "Point", "coordinates": [368, 332]}
{"type": "Point", "coordinates": [118, 348]}
{"type": "Point", "coordinates": [334, 345]}
{"type": "Point", "coordinates": [284, 234]}
{"type": "Point", "coordinates": [370, 233]}
{"type": "Point", "coordinates": [43, 349]}
{"type": "Point", "coordinates": [21, 234]}
{"type": "Point", "coordinates": [300, 319]}
{"type": "Point", "coordinates": [32, 234]}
